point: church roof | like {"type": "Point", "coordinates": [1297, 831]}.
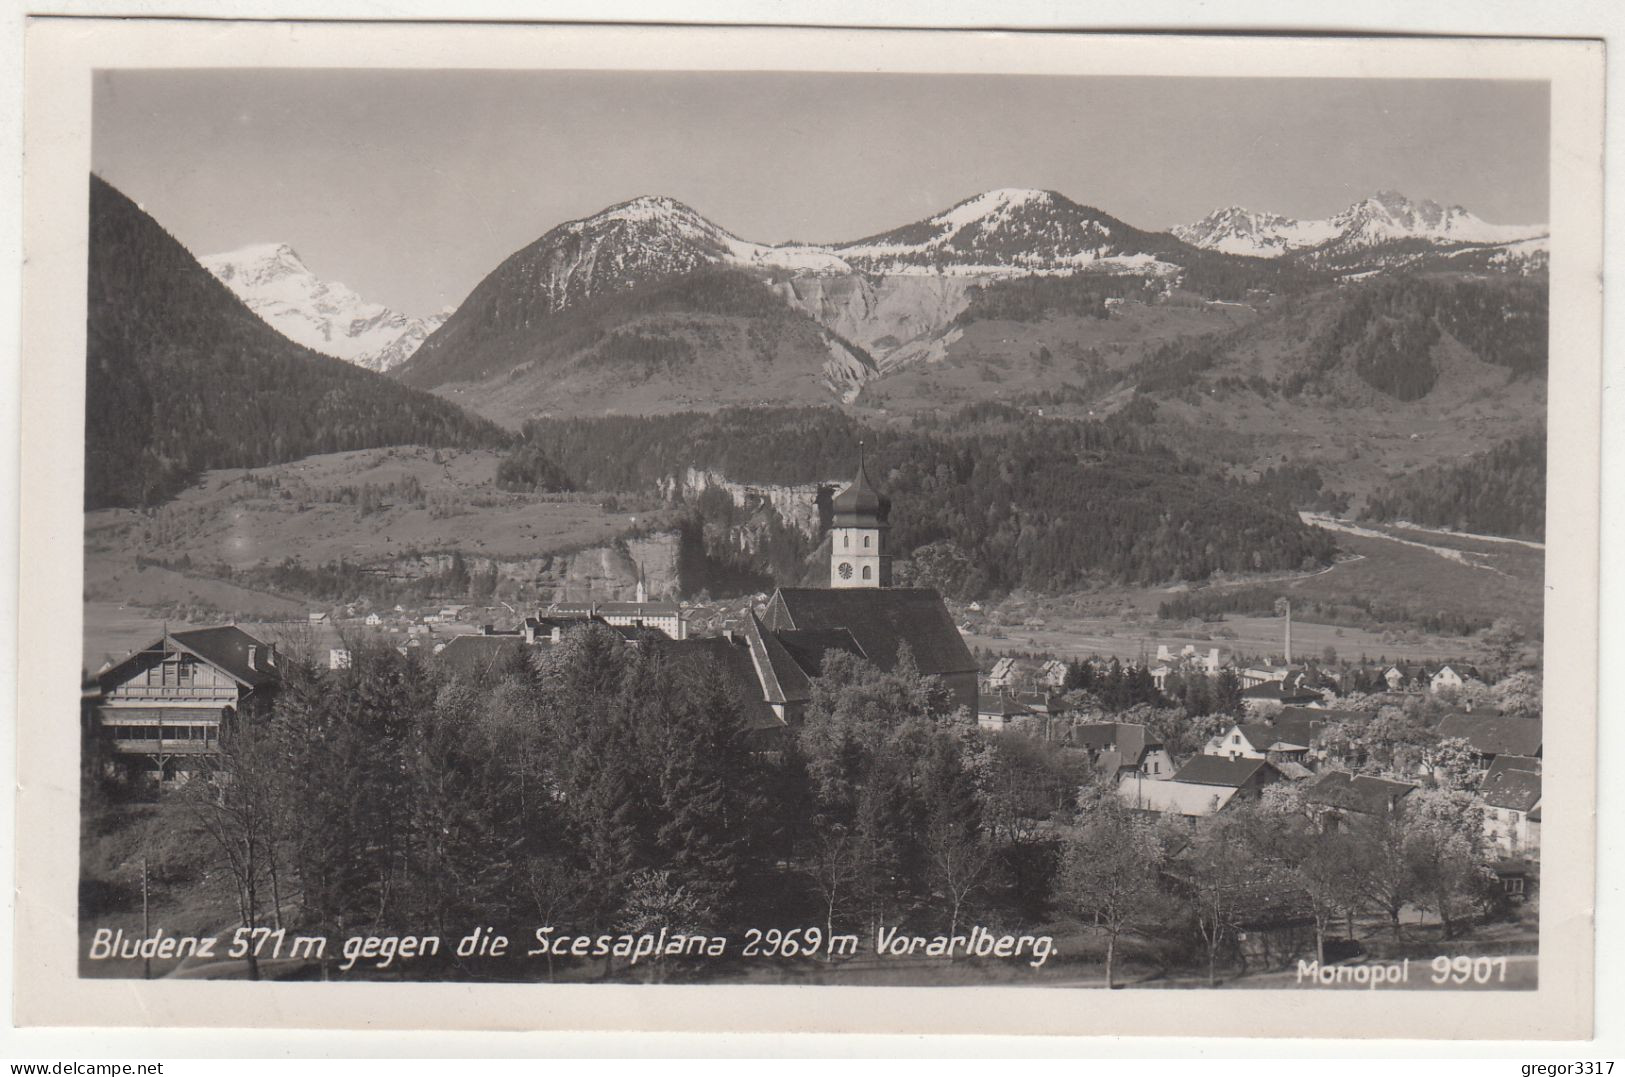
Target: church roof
{"type": "Point", "coordinates": [809, 645]}
{"type": "Point", "coordinates": [713, 655]}
{"type": "Point", "coordinates": [879, 620]}
{"type": "Point", "coordinates": [787, 661]}
{"type": "Point", "coordinates": [860, 504]}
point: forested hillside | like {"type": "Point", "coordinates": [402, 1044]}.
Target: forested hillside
{"type": "Point", "coordinates": [1033, 503]}
{"type": "Point", "coordinates": [1386, 330]}
{"type": "Point", "coordinates": [181, 376]}
{"type": "Point", "coordinates": [1499, 492]}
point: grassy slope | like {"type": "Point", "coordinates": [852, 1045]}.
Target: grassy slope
{"type": "Point", "coordinates": [1118, 621]}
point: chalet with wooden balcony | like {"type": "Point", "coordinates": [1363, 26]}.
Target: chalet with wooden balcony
{"type": "Point", "coordinates": [169, 701]}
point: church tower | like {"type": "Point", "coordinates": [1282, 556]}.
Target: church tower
{"type": "Point", "coordinates": [857, 552]}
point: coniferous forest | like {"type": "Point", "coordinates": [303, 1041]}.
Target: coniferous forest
{"type": "Point", "coordinates": [183, 377]}
{"type": "Point", "coordinates": [1034, 503]}
{"type": "Point", "coordinates": [1498, 492]}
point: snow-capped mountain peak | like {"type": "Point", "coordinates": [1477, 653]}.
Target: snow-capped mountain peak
{"type": "Point", "coordinates": [257, 262]}
{"type": "Point", "coordinates": [1011, 231]}
{"type": "Point", "coordinates": [1384, 217]}
{"type": "Point", "coordinates": [325, 316]}
{"type": "Point", "coordinates": [995, 204]}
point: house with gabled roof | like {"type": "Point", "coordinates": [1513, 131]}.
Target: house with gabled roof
{"type": "Point", "coordinates": [1510, 792]}
{"type": "Point", "coordinates": [161, 706]}
{"type": "Point", "coordinates": [1408, 677]}
{"type": "Point", "coordinates": [1338, 794]}
{"type": "Point", "coordinates": [1051, 675]}
{"type": "Point", "coordinates": [1248, 776]}
{"type": "Point", "coordinates": [1186, 800]}
{"type": "Point", "coordinates": [1123, 748]}
{"type": "Point", "coordinates": [1005, 674]}
{"type": "Point", "coordinates": [998, 712]}
{"type": "Point", "coordinates": [1493, 735]}
{"type": "Point", "coordinates": [1453, 676]}
{"type": "Point", "coordinates": [1265, 740]}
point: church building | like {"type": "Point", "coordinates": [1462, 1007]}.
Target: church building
{"type": "Point", "coordinates": [860, 612]}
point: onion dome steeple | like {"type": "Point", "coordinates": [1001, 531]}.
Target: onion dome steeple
{"type": "Point", "coordinates": [857, 539]}
{"type": "Point", "coordinates": [860, 504]}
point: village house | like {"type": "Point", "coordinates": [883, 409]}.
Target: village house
{"type": "Point", "coordinates": [1204, 786]}
{"type": "Point", "coordinates": [1402, 678]}
{"type": "Point", "coordinates": [169, 702]}
{"type": "Point", "coordinates": [1291, 743]}
{"type": "Point", "coordinates": [1490, 736]}
{"type": "Point", "coordinates": [1003, 675]}
{"type": "Point", "coordinates": [1051, 676]}
{"type": "Point", "coordinates": [997, 712]}
{"type": "Point", "coordinates": [1247, 776]}
{"type": "Point", "coordinates": [1338, 794]}
{"type": "Point", "coordinates": [1511, 795]}
{"type": "Point", "coordinates": [1186, 800]}
{"type": "Point", "coordinates": [1457, 676]}
{"type": "Point", "coordinates": [1121, 749]}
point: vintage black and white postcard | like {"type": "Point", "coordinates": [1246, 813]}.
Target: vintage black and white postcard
{"type": "Point", "coordinates": [795, 529]}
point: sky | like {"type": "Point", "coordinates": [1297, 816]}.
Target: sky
{"type": "Point", "coordinates": [411, 186]}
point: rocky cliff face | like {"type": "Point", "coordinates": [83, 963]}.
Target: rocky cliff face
{"type": "Point", "coordinates": [894, 318]}
{"type": "Point", "coordinates": [599, 573]}
{"type": "Point", "coordinates": [797, 504]}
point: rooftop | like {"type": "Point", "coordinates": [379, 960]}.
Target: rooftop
{"type": "Point", "coordinates": [1216, 770]}
{"type": "Point", "coordinates": [1357, 793]}
{"type": "Point", "coordinates": [879, 621]}
{"type": "Point", "coordinates": [1174, 796]}
{"type": "Point", "coordinates": [245, 658]}
{"type": "Point", "coordinates": [1492, 735]}
{"type": "Point", "coordinates": [1518, 790]}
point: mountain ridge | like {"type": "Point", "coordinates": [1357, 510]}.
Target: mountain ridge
{"type": "Point", "coordinates": [1384, 217]}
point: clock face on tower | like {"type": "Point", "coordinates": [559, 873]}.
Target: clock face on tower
{"type": "Point", "coordinates": [845, 570]}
